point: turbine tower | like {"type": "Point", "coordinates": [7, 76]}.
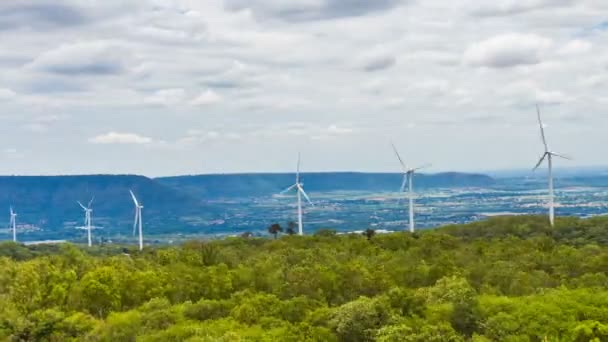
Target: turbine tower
{"type": "Point", "coordinates": [300, 192]}
{"type": "Point", "coordinates": [138, 220]}
{"type": "Point", "coordinates": [549, 156]}
{"type": "Point", "coordinates": [87, 219]}
{"type": "Point", "coordinates": [13, 224]}
{"type": "Point", "coordinates": [408, 180]}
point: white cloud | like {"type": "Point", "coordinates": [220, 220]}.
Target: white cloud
{"type": "Point", "coordinates": [379, 58]}
{"type": "Point", "coordinates": [120, 138]}
{"type": "Point", "coordinates": [334, 129]}
{"type": "Point", "coordinates": [36, 127]}
{"type": "Point", "coordinates": [103, 57]}
{"type": "Point", "coordinates": [166, 97]}
{"type": "Point", "coordinates": [7, 94]}
{"type": "Point", "coordinates": [350, 72]}
{"type": "Point", "coordinates": [296, 10]}
{"type": "Point", "coordinates": [207, 97]}
{"type": "Point", "coordinates": [511, 7]}
{"type": "Point", "coordinates": [551, 97]}
{"type": "Point", "coordinates": [529, 92]}
{"type": "Point", "coordinates": [507, 50]}
{"type": "Point", "coordinates": [575, 47]}
{"type": "Point", "coordinates": [12, 153]}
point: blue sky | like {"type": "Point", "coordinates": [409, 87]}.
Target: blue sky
{"type": "Point", "coordinates": [183, 86]}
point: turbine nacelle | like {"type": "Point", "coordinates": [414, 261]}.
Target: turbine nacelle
{"type": "Point", "coordinates": [547, 155]}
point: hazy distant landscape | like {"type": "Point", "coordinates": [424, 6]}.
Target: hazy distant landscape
{"type": "Point", "coordinates": [210, 206]}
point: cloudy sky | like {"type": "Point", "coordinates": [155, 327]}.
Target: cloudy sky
{"type": "Point", "coordinates": [162, 87]}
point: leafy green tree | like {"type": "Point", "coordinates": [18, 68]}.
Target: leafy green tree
{"type": "Point", "coordinates": [426, 333]}
{"type": "Point", "coordinates": [98, 292]}
{"type": "Point", "coordinates": [369, 233]}
{"type": "Point", "coordinates": [291, 228]}
{"type": "Point", "coordinates": [358, 321]}
{"type": "Point", "coordinates": [590, 331]}
{"type": "Point", "coordinates": [275, 229]}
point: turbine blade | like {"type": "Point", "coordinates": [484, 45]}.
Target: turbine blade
{"type": "Point", "coordinates": [404, 183]}
{"type": "Point", "coordinates": [135, 221]}
{"type": "Point", "coordinates": [91, 202]}
{"type": "Point", "coordinates": [425, 166]}
{"type": "Point", "coordinates": [561, 156]}
{"type": "Point", "coordinates": [82, 206]}
{"type": "Point", "coordinates": [288, 189]}
{"type": "Point", "coordinates": [542, 128]}
{"type": "Point", "coordinates": [305, 195]}
{"type": "Point", "coordinates": [298, 169]}
{"type": "Point", "coordinates": [134, 199]}
{"type": "Point", "coordinates": [12, 212]}
{"type": "Point", "coordinates": [399, 157]}
{"type": "Point", "coordinates": [540, 161]}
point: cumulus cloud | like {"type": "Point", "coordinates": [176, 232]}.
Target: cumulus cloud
{"type": "Point", "coordinates": [166, 97]}
{"type": "Point", "coordinates": [207, 97]}
{"type": "Point", "coordinates": [83, 58]}
{"type": "Point", "coordinates": [7, 94]}
{"type": "Point", "coordinates": [377, 58]}
{"type": "Point", "coordinates": [311, 9]}
{"type": "Point", "coordinates": [354, 71]}
{"type": "Point", "coordinates": [120, 138]}
{"type": "Point", "coordinates": [507, 50]}
{"type": "Point", "coordinates": [43, 123]}
{"type": "Point", "coordinates": [512, 7]}
{"type": "Point", "coordinates": [335, 129]}
{"type": "Point", "coordinates": [197, 136]}
{"type": "Point", "coordinates": [575, 47]}
{"type": "Point", "coordinates": [378, 62]}
{"type": "Point", "coordinates": [431, 86]}
{"type": "Point", "coordinates": [530, 92]}
{"type": "Point", "coordinates": [38, 15]}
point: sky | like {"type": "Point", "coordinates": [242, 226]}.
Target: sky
{"type": "Point", "coordinates": [159, 87]}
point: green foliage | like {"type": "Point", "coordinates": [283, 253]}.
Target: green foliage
{"type": "Point", "coordinates": [505, 279]}
{"type": "Point", "coordinates": [275, 229]}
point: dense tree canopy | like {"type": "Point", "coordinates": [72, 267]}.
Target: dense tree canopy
{"type": "Point", "coordinates": [505, 279]}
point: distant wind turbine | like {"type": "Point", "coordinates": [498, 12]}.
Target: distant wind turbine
{"type": "Point", "coordinates": [408, 179]}
{"type": "Point", "coordinates": [13, 224]}
{"type": "Point", "coordinates": [300, 192]}
{"type": "Point", "coordinates": [138, 220]}
{"type": "Point", "coordinates": [87, 219]}
{"type": "Point", "coordinates": [549, 156]}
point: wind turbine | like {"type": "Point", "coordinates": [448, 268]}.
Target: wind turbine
{"type": "Point", "coordinates": [408, 179]}
{"type": "Point", "coordinates": [87, 219]}
{"type": "Point", "coordinates": [549, 156]}
{"type": "Point", "coordinates": [300, 192]}
{"type": "Point", "coordinates": [13, 224]}
{"type": "Point", "coordinates": [138, 220]}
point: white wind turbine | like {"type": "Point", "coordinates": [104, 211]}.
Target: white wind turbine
{"type": "Point", "coordinates": [408, 179]}
{"type": "Point", "coordinates": [138, 220]}
{"type": "Point", "coordinates": [549, 156]}
{"type": "Point", "coordinates": [87, 219]}
{"type": "Point", "coordinates": [300, 192]}
{"type": "Point", "coordinates": [13, 224]}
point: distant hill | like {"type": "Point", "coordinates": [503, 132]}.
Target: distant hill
{"type": "Point", "coordinates": [265, 184]}
{"type": "Point", "coordinates": [47, 208]}
{"type": "Point", "coordinates": [49, 202]}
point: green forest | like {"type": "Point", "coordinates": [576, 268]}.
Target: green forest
{"type": "Point", "coordinates": [502, 279]}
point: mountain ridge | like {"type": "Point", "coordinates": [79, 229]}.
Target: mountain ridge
{"type": "Point", "coordinates": [257, 184]}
